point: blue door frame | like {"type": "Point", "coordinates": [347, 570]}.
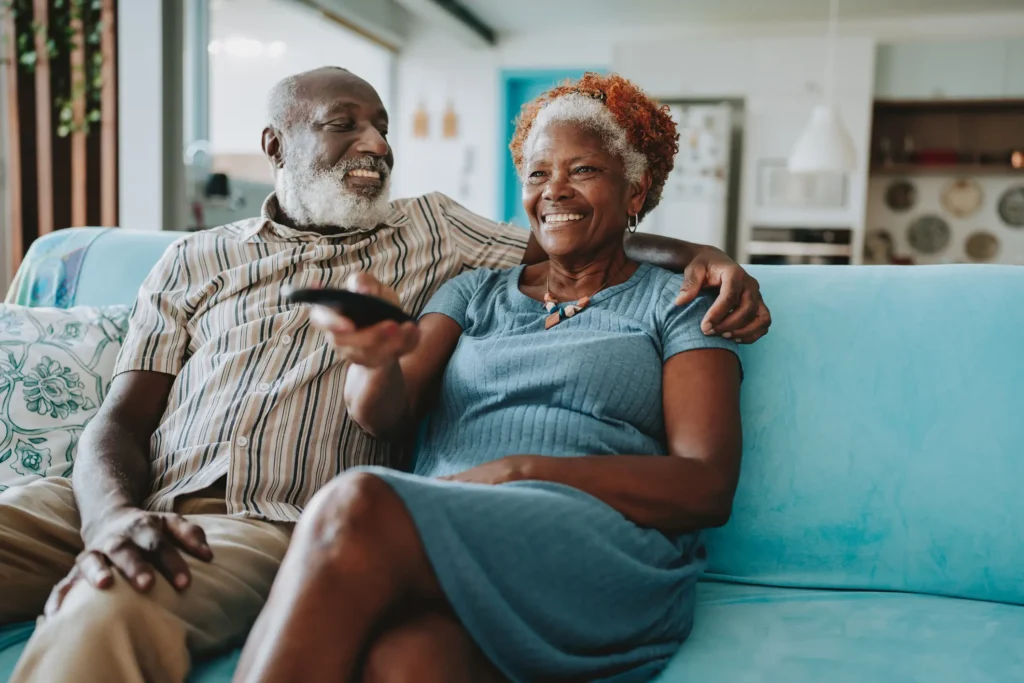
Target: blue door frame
{"type": "Point", "coordinates": [519, 86]}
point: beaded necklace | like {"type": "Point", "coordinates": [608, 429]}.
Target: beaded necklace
{"type": "Point", "coordinates": [557, 312]}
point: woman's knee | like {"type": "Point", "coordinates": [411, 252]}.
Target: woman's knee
{"type": "Point", "coordinates": [356, 521]}
{"type": "Point", "coordinates": [432, 647]}
{"type": "Point", "coordinates": [352, 506]}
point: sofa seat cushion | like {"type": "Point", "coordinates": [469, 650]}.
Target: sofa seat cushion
{"type": "Point", "coordinates": [748, 634]}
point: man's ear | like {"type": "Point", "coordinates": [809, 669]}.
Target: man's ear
{"type": "Point", "coordinates": [638, 193]}
{"type": "Point", "coordinates": [273, 147]}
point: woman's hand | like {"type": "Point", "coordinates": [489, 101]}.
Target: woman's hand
{"type": "Point", "coordinates": [375, 346]}
{"type": "Point", "coordinates": [500, 471]}
{"type": "Point", "coordinates": [739, 311]}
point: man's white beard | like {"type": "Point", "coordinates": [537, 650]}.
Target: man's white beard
{"type": "Point", "coordinates": [318, 198]}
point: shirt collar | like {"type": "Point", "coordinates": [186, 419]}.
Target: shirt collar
{"type": "Point", "coordinates": [268, 229]}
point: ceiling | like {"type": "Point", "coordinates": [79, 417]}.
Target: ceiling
{"type": "Point", "coordinates": [514, 16]}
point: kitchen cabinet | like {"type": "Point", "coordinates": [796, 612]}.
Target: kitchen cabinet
{"type": "Point", "coordinates": [793, 66]}
{"type": "Point", "coordinates": [773, 125]}
{"type": "Point", "coordinates": [1013, 81]}
{"type": "Point", "coordinates": [796, 66]}
{"type": "Point", "coordinates": [946, 70]}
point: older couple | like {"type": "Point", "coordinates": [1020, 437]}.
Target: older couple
{"type": "Point", "coordinates": [548, 529]}
{"type": "Point", "coordinates": [582, 431]}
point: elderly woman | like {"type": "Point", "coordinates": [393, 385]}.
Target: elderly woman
{"type": "Point", "coordinates": [584, 430]}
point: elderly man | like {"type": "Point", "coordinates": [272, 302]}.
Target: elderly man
{"type": "Point", "coordinates": [226, 412]}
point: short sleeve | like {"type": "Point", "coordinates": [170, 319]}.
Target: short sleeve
{"type": "Point", "coordinates": [453, 297]}
{"type": "Point", "coordinates": [157, 338]}
{"type": "Point", "coordinates": [680, 325]}
{"type": "Point", "coordinates": [481, 242]}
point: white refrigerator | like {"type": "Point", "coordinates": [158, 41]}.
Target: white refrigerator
{"type": "Point", "coordinates": [695, 205]}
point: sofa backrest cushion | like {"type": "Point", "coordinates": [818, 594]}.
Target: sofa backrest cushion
{"type": "Point", "coordinates": [87, 267]}
{"type": "Point", "coordinates": [883, 434]}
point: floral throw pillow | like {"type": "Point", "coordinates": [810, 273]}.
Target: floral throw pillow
{"type": "Point", "coordinates": [55, 368]}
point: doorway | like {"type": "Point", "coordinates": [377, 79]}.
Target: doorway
{"type": "Point", "coordinates": [517, 88]}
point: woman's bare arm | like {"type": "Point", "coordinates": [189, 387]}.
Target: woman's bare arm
{"type": "Point", "coordinates": [690, 489]}
{"type": "Point", "coordinates": [389, 399]}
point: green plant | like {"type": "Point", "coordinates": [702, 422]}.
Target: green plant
{"type": "Point", "coordinates": [83, 81]}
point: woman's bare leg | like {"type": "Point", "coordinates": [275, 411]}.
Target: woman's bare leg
{"type": "Point", "coordinates": [355, 557]}
{"type": "Point", "coordinates": [428, 647]}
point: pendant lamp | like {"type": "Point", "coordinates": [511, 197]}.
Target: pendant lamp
{"type": "Point", "coordinates": [825, 144]}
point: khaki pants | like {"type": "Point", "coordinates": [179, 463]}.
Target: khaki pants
{"type": "Point", "coordinates": [118, 634]}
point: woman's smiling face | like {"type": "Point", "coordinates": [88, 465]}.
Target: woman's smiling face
{"type": "Point", "coordinates": [575, 191]}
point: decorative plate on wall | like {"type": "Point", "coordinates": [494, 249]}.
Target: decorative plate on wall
{"type": "Point", "coordinates": [982, 246]}
{"type": "Point", "coordinates": [929, 234]}
{"type": "Point", "coordinates": [962, 197]}
{"type": "Point", "coordinates": [1011, 207]}
{"type": "Point", "coordinates": [900, 195]}
{"type": "Point", "coordinates": [878, 247]}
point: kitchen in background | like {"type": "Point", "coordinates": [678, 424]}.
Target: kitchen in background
{"type": "Point", "coordinates": [702, 196]}
{"type": "Point", "coordinates": [946, 180]}
{"type": "Point", "coordinates": [947, 183]}
{"type": "Point", "coordinates": [934, 125]}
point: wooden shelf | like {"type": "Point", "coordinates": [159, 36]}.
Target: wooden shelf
{"type": "Point", "coordinates": [942, 105]}
{"type": "Point", "coordinates": [798, 249]}
{"type": "Point", "coordinates": [946, 169]}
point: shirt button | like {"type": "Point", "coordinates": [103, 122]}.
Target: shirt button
{"type": "Point", "coordinates": [242, 441]}
{"type": "Point", "coordinates": [286, 340]}
{"type": "Point", "coordinates": [263, 386]}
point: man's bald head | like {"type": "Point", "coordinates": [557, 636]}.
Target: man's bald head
{"type": "Point", "coordinates": [296, 97]}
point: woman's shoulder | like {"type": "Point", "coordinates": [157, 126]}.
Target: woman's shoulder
{"type": "Point", "coordinates": [663, 286]}
{"type": "Point", "coordinates": [483, 280]}
{"type": "Point", "coordinates": [678, 327]}
{"type": "Point", "coordinates": [468, 291]}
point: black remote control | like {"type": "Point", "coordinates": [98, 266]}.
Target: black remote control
{"type": "Point", "coordinates": [362, 309]}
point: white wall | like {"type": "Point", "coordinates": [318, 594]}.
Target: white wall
{"type": "Point", "coordinates": [140, 114]}
{"type": "Point", "coordinates": [239, 84]}
{"type": "Point", "coordinates": [433, 71]}
{"type": "Point", "coordinates": [434, 67]}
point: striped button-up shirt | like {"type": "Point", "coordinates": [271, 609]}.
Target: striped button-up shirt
{"type": "Point", "coordinates": [257, 396]}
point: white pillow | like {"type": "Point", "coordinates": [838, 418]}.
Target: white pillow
{"type": "Point", "coordinates": [55, 368]}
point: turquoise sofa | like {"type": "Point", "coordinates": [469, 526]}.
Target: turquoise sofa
{"type": "Point", "coordinates": [878, 531]}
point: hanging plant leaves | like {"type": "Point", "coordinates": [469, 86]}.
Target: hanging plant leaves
{"type": "Point", "coordinates": [72, 26]}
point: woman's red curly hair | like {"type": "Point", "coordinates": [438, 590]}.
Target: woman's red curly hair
{"type": "Point", "coordinates": [649, 127]}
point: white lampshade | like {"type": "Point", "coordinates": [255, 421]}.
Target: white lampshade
{"type": "Point", "coordinates": [825, 145]}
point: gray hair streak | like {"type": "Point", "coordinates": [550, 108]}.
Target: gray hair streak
{"type": "Point", "coordinates": [281, 102]}
{"type": "Point", "coordinates": [594, 116]}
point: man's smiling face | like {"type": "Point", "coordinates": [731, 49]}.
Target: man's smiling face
{"type": "Point", "coordinates": [332, 158]}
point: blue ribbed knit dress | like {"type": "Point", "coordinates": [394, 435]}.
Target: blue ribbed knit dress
{"type": "Point", "coordinates": [552, 583]}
